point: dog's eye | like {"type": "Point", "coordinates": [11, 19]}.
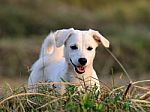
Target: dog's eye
{"type": "Point", "coordinates": [74, 47]}
{"type": "Point", "coordinates": [89, 48]}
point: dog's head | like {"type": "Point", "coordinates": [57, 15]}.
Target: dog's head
{"type": "Point", "coordinates": [79, 46]}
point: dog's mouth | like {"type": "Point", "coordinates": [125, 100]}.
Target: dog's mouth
{"type": "Point", "coordinates": [79, 69]}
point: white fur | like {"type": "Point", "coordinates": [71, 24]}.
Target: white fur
{"type": "Point", "coordinates": [54, 63]}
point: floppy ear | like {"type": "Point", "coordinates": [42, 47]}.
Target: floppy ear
{"type": "Point", "coordinates": [62, 35]}
{"type": "Point", "coordinates": [99, 38]}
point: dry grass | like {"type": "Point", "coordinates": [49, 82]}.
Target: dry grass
{"type": "Point", "coordinates": [131, 97]}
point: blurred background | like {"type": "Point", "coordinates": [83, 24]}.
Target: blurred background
{"type": "Point", "coordinates": [25, 23]}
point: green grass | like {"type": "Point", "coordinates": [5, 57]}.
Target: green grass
{"type": "Point", "coordinates": [131, 97]}
{"type": "Point", "coordinates": [23, 26]}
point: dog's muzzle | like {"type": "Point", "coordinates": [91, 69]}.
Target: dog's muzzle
{"type": "Point", "coordinates": [79, 69]}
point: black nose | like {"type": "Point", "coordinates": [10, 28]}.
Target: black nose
{"type": "Point", "coordinates": [82, 61]}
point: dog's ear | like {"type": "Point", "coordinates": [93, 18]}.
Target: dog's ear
{"type": "Point", "coordinates": [62, 35]}
{"type": "Point", "coordinates": [99, 38]}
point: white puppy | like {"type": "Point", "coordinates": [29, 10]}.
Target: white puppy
{"type": "Point", "coordinates": [67, 54]}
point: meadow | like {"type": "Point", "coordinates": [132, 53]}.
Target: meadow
{"type": "Point", "coordinates": [23, 26]}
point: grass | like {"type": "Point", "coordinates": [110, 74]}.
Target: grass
{"type": "Point", "coordinates": [125, 24]}
{"type": "Point", "coordinates": [131, 97]}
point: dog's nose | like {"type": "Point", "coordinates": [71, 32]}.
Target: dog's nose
{"type": "Point", "coordinates": [82, 61]}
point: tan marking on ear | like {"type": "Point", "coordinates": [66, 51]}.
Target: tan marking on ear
{"type": "Point", "coordinates": [99, 38]}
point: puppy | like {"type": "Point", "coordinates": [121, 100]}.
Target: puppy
{"type": "Point", "coordinates": [68, 55]}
